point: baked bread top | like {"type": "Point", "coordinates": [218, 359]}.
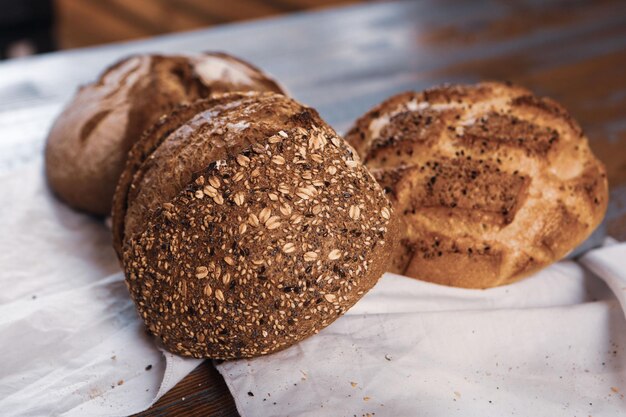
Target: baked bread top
{"type": "Point", "coordinates": [492, 183]}
{"type": "Point", "coordinates": [185, 142]}
{"type": "Point", "coordinates": [255, 226]}
{"type": "Point", "coordinates": [88, 143]}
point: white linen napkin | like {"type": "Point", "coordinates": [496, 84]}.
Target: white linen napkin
{"type": "Point", "coordinates": [72, 345]}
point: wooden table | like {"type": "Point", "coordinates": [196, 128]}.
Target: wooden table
{"type": "Point", "coordinates": [343, 61]}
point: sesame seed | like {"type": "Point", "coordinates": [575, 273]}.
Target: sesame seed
{"type": "Point", "coordinates": [306, 192]}
{"type": "Point", "coordinates": [317, 142]}
{"type": "Point", "coordinates": [258, 148]}
{"type": "Point", "coordinates": [242, 228]}
{"type": "Point", "coordinates": [283, 134]}
{"type": "Point", "coordinates": [289, 247]}
{"type": "Point", "coordinates": [239, 198]}
{"type": "Point", "coordinates": [265, 214]}
{"type": "Point", "coordinates": [238, 176]}
{"type": "Point", "coordinates": [208, 290]}
{"type": "Point", "coordinates": [214, 181]}
{"type": "Point", "coordinates": [273, 223]}
{"type": "Point", "coordinates": [264, 333]}
{"type": "Point", "coordinates": [272, 196]}
{"type": "Point", "coordinates": [310, 256]}
{"type": "Point", "coordinates": [202, 272]}
{"type": "Point", "coordinates": [278, 160]}
{"type": "Point", "coordinates": [210, 191]}
{"type": "Point", "coordinates": [334, 254]}
{"type": "Point", "coordinates": [331, 298]}
{"type": "Point", "coordinates": [285, 209]}
{"type": "Point", "coordinates": [355, 212]}
{"type": "Point", "coordinates": [243, 160]}
{"type": "Point", "coordinates": [253, 220]}
{"type": "Point", "coordinates": [385, 213]}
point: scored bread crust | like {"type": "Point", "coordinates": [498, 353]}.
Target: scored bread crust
{"type": "Point", "coordinates": [87, 145]}
{"type": "Point", "coordinates": [491, 182]}
{"type": "Point", "coordinates": [280, 232]}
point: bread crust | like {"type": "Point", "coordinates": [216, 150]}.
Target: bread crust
{"type": "Point", "coordinates": [87, 146]}
{"type": "Point", "coordinates": [188, 140]}
{"type": "Point", "coordinates": [280, 232]}
{"type": "Point", "coordinates": [491, 182]}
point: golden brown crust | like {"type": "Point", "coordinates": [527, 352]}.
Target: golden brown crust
{"type": "Point", "coordinates": [88, 143]}
{"type": "Point", "coordinates": [492, 183]}
{"type": "Point", "coordinates": [265, 245]}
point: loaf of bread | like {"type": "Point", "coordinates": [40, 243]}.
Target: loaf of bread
{"type": "Point", "coordinates": [491, 182]}
{"type": "Point", "coordinates": [245, 224]}
{"type": "Point", "coordinates": [87, 145]}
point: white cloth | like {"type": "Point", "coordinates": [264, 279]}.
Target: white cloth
{"type": "Point", "coordinates": [71, 343]}
{"type": "Point", "coordinates": [551, 345]}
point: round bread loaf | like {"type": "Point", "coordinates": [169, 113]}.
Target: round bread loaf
{"type": "Point", "coordinates": [491, 182]}
{"type": "Point", "coordinates": [88, 144]}
{"type": "Point", "coordinates": [245, 224]}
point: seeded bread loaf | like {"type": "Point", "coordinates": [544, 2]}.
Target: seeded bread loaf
{"type": "Point", "coordinates": [245, 224]}
{"type": "Point", "coordinates": [87, 145]}
{"type": "Point", "coordinates": [491, 182]}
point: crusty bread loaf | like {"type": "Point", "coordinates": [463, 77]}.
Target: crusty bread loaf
{"type": "Point", "coordinates": [245, 224]}
{"type": "Point", "coordinates": [492, 183]}
{"type": "Point", "coordinates": [87, 145]}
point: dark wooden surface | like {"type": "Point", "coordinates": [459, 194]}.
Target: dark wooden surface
{"type": "Point", "coordinates": [81, 23]}
{"type": "Point", "coordinates": [346, 60]}
{"type": "Point", "coordinates": [202, 393]}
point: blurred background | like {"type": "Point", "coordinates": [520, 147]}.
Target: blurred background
{"type": "Point", "coordinates": [28, 27]}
